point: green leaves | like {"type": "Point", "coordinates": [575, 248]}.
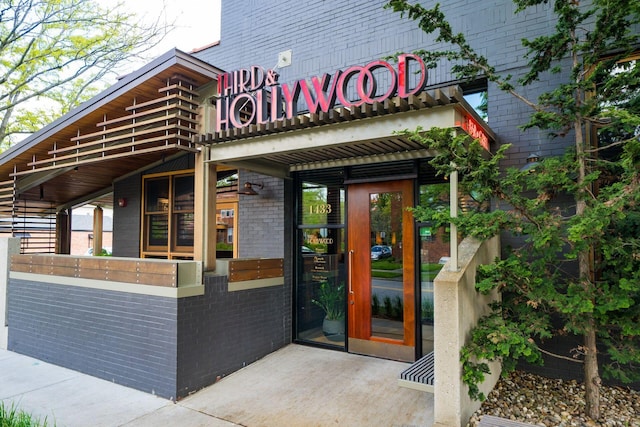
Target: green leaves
{"type": "Point", "coordinates": [495, 339]}
{"type": "Point", "coordinates": [574, 219]}
{"type": "Point", "coordinates": [55, 53]}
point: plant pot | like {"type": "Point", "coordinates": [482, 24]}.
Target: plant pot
{"type": "Point", "coordinates": [333, 329]}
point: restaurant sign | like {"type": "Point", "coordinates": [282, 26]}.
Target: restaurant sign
{"type": "Point", "coordinates": [254, 96]}
{"type": "Point", "coordinates": [473, 129]}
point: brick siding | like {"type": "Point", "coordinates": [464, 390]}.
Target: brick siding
{"type": "Point", "coordinates": [164, 346]}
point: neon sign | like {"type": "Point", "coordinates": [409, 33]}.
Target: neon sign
{"type": "Point", "coordinates": [475, 131]}
{"type": "Point", "coordinates": [254, 95]}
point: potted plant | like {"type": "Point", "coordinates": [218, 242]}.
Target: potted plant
{"type": "Point", "coordinates": [330, 298]}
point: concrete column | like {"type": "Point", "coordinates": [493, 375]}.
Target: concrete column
{"type": "Point", "coordinates": [452, 265]}
{"type": "Point", "coordinates": [458, 306]}
{"type": "Point", "coordinates": [8, 246]}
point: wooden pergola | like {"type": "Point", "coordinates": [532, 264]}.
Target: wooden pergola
{"type": "Point", "coordinates": [147, 117]}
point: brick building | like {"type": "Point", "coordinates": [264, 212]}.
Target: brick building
{"type": "Point", "coordinates": [301, 180]}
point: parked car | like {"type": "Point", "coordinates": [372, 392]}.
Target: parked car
{"type": "Point", "coordinates": [379, 252]}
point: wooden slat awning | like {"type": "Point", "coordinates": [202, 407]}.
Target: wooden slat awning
{"type": "Point", "coordinates": [146, 117]}
{"type": "Point", "coordinates": [167, 122]}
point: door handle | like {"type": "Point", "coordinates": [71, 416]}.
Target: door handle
{"type": "Point", "coordinates": [351, 271]}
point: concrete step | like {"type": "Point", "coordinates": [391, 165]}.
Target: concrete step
{"type": "Point", "coordinates": [420, 375]}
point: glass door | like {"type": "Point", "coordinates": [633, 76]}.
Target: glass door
{"type": "Point", "coordinates": [381, 279]}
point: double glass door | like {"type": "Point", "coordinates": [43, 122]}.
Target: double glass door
{"type": "Point", "coordinates": [356, 257]}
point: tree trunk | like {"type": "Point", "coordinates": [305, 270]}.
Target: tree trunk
{"type": "Point", "coordinates": [591, 375]}
{"type": "Point", "coordinates": [592, 380]}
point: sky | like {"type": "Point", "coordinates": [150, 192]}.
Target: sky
{"type": "Point", "coordinates": [197, 22]}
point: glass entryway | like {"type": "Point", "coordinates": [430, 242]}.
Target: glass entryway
{"type": "Point", "coordinates": [320, 296]}
{"type": "Point", "coordinates": [364, 268]}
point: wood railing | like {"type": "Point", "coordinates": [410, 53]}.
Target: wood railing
{"type": "Point", "coordinates": [167, 273]}
{"type": "Point", "coordinates": [241, 270]}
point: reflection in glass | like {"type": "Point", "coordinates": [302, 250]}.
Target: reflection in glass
{"type": "Point", "coordinates": [184, 229]}
{"type": "Point", "coordinates": [158, 230]}
{"type": "Point", "coordinates": [184, 196]}
{"type": "Point", "coordinates": [433, 247]}
{"type": "Point", "coordinates": [387, 296]}
{"type": "Point", "coordinates": [321, 293]}
{"type": "Point", "coordinates": [225, 224]}
{"type": "Point", "coordinates": [157, 194]}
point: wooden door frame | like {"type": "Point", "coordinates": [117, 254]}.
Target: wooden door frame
{"type": "Point", "coordinates": [359, 309]}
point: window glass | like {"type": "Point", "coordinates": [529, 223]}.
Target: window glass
{"type": "Point", "coordinates": [158, 230]}
{"type": "Point", "coordinates": [433, 244]}
{"type": "Point", "coordinates": [157, 194]}
{"type": "Point", "coordinates": [320, 288]}
{"type": "Point", "coordinates": [479, 102]}
{"type": "Point", "coordinates": [225, 225]}
{"type": "Point", "coordinates": [183, 193]}
{"type": "Point", "coordinates": [168, 216]}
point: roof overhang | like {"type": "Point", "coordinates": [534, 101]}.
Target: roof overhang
{"type": "Point", "coordinates": [46, 166]}
{"type": "Point", "coordinates": [346, 137]}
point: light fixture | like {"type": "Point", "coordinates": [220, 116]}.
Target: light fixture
{"type": "Point", "coordinates": [248, 188]}
{"type": "Point", "coordinates": [532, 162]}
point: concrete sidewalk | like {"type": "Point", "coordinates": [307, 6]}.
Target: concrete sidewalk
{"type": "Point", "coordinates": [295, 386]}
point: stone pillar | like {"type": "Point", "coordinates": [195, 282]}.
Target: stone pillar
{"type": "Point", "coordinates": [8, 246]}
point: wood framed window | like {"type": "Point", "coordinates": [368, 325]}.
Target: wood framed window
{"type": "Point", "coordinates": [168, 215]}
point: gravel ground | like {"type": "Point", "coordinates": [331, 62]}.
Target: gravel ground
{"type": "Point", "coordinates": [542, 401]}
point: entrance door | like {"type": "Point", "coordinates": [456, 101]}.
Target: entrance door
{"type": "Point", "coordinates": [381, 270]}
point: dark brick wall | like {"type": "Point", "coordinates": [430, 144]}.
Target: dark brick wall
{"type": "Point", "coordinates": [260, 218]}
{"type": "Point", "coordinates": [223, 331]}
{"type": "Point", "coordinates": [325, 36]}
{"type": "Point", "coordinates": [126, 220]}
{"type": "Point", "coordinates": [164, 346]}
{"type": "Point", "coordinates": [126, 338]}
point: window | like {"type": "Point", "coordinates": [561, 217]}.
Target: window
{"type": "Point", "coordinates": [226, 222]}
{"type": "Point", "coordinates": [226, 213]}
{"type": "Point", "coordinates": [168, 216]}
{"type": "Point", "coordinates": [616, 88]}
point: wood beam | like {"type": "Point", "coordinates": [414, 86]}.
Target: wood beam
{"type": "Point", "coordinates": [204, 239]}
{"type": "Point", "coordinates": [97, 231]}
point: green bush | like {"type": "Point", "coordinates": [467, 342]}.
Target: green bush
{"type": "Point", "coordinates": [375, 305]}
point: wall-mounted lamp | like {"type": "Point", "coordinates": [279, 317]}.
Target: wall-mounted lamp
{"type": "Point", "coordinates": [122, 202]}
{"type": "Point", "coordinates": [248, 188]}
{"type": "Point", "coordinates": [532, 162]}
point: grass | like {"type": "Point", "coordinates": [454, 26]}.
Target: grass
{"type": "Point", "coordinates": [13, 417]}
{"type": "Point", "coordinates": [431, 267]}
{"type": "Point", "coordinates": [385, 264]}
{"type": "Point", "coordinates": [386, 274]}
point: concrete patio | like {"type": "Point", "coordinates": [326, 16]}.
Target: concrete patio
{"type": "Point", "coordinates": [295, 386]}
